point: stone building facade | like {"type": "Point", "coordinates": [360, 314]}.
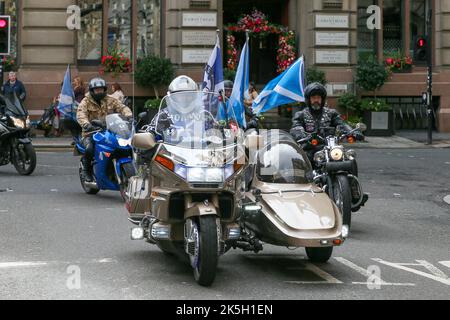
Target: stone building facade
{"type": "Point", "coordinates": [330, 34]}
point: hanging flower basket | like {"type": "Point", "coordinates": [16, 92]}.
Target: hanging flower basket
{"type": "Point", "coordinates": [258, 26]}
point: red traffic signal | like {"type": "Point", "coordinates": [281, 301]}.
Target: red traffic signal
{"type": "Point", "coordinates": [3, 23]}
{"type": "Point", "coordinates": [421, 43]}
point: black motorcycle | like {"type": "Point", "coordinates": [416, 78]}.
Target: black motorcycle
{"type": "Point", "coordinates": [15, 142]}
{"type": "Point", "coordinates": [335, 168]}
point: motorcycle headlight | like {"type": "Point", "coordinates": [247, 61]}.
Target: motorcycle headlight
{"type": "Point", "coordinates": [337, 154]}
{"type": "Point", "coordinates": [18, 123]}
{"type": "Point", "coordinates": [205, 175]}
{"type": "Point", "coordinates": [319, 157]}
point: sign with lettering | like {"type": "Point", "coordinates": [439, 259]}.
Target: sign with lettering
{"type": "Point", "coordinates": [204, 19]}
{"type": "Point", "coordinates": [332, 21]}
{"type": "Point", "coordinates": [332, 38]}
{"type": "Point", "coordinates": [199, 38]}
{"type": "Point", "coordinates": [199, 56]}
{"type": "Point", "coordinates": [332, 56]}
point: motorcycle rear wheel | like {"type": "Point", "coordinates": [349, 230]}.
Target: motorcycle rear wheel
{"type": "Point", "coordinates": [91, 191]}
{"type": "Point", "coordinates": [24, 159]}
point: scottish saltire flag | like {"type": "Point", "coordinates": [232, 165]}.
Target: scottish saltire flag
{"type": "Point", "coordinates": [288, 87]}
{"type": "Point", "coordinates": [213, 80]}
{"type": "Point", "coordinates": [241, 85]}
{"type": "Point", "coordinates": [67, 98]}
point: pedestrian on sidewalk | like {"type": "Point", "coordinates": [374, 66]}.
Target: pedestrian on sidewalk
{"type": "Point", "coordinates": [117, 92]}
{"type": "Point", "coordinates": [13, 85]}
{"type": "Point", "coordinates": [79, 89]}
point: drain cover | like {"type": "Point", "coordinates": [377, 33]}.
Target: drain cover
{"type": "Point", "coordinates": [447, 199]}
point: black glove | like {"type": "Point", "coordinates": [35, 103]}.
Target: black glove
{"type": "Point", "coordinates": [253, 124]}
{"type": "Point", "coordinates": [89, 128]}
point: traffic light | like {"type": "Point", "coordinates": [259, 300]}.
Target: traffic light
{"type": "Point", "coordinates": [421, 50]}
{"type": "Point", "coordinates": [5, 30]}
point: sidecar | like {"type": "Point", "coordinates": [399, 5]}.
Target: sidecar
{"type": "Point", "coordinates": [284, 207]}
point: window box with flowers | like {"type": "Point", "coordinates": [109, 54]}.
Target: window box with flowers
{"type": "Point", "coordinates": [115, 62]}
{"type": "Point", "coordinates": [399, 64]}
{"type": "Point", "coordinates": [9, 63]}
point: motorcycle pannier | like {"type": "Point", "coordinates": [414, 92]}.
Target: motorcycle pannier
{"type": "Point", "coordinates": [139, 194]}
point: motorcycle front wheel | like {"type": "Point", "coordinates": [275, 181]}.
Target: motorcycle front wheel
{"type": "Point", "coordinates": [128, 170]}
{"type": "Point", "coordinates": [24, 159]}
{"type": "Point", "coordinates": [342, 196]}
{"type": "Point", "coordinates": [206, 257]}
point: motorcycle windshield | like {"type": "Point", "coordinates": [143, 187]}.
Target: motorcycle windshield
{"type": "Point", "coordinates": [13, 106]}
{"type": "Point", "coordinates": [197, 120]}
{"type": "Point", "coordinates": [118, 126]}
{"type": "Point", "coordinates": [282, 161]}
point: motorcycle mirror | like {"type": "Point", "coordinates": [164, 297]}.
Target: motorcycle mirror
{"type": "Point", "coordinates": [144, 141]}
{"type": "Point", "coordinates": [361, 127]}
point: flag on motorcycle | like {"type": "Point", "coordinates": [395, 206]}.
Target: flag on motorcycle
{"type": "Point", "coordinates": [241, 85]}
{"type": "Point", "coordinates": [67, 98]}
{"type": "Point", "coordinates": [288, 87]}
{"type": "Point", "coordinates": [213, 80]}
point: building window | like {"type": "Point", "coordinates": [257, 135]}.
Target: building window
{"type": "Point", "coordinates": [393, 26]}
{"type": "Point", "coordinates": [367, 39]}
{"type": "Point", "coordinates": [90, 35]}
{"type": "Point", "coordinates": [149, 22]}
{"type": "Point", "coordinates": [119, 25]}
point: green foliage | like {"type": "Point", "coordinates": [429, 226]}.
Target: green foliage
{"type": "Point", "coordinates": [153, 71]}
{"type": "Point", "coordinates": [315, 75]}
{"type": "Point", "coordinates": [370, 75]}
{"type": "Point", "coordinates": [153, 104]}
{"type": "Point", "coordinates": [229, 74]}
{"type": "Point", "coordinates": [354, 120]}
{"type": "Point", "coordinates": [376, 105]}
{"type": "Point", "coordinates": [349, 102]}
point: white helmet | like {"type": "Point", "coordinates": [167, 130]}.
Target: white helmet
{"type": "Point", "coordinates": [183, 83]}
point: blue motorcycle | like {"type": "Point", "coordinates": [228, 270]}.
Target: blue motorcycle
{"type": "Point", "coordinates": [113, 157]}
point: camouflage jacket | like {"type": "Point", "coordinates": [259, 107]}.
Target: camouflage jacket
{"type": "Point", "coordinates": [89, 110]}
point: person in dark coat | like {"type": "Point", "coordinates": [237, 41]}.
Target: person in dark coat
{"type": "Point", "coordinates": [14, 86]}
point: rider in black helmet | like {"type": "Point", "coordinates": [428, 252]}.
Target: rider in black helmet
{"type": "Point", "coordinates": [317, 115]}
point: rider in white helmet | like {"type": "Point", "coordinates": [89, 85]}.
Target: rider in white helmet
{"type": "Point", "coordinates": [163, 118]}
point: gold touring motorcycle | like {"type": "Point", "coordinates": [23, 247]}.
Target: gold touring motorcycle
{"type": "Point", "coordinates": [199, 195]}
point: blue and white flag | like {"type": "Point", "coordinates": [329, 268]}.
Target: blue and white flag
{"type": "Point", "coordinates": [241, 85]}
{"type": "Point", "coordinates": [287, 88]}
{"type": "Point", "coordinates": [67, 98]}
{"type": "Point", "coordinates": [213, 80]}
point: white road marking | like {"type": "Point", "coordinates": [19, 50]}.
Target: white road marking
{"type": "Point", "coordinates": [329, 279]}
{"type": "Point", "coordinates": [445, 263]}
{"type": "Point", "coordinates": [21, 264]}
{"type": "Point", "coordinates": [401, 266]}
{"type": "Point", "coordinates": [447, 199]}
{"type": "Point", "coordinates": [59, 167]}
{"type": "Point", "coordinates": [9, 265]}
{"type": "Point", "coordinates": [367, 274]}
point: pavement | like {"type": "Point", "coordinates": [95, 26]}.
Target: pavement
{"type": "Point", "coordinates": [59, 243]}
{"type": "Point", "coordinates": [402, 140]}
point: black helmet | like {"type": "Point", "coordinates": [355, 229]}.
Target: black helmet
{"type": "Point", "coordinates": [228, 84]}
{"type": "Point", "coordinates": [315, 89]}
{"type": "Point", "coordinates": [95, 84]}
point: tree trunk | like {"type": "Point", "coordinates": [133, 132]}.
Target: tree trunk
{"type": "Point", "coordinates": [156, 92]}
